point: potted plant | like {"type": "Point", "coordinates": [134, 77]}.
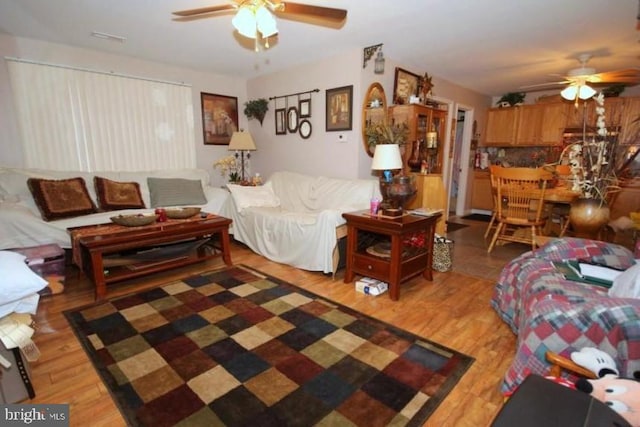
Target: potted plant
{"type": "Point", "coordinates": [512, 98]}
{"type": "Point", "coordinates": [386, 133]}
{"type": "Point", "coordinates": [256, 109]}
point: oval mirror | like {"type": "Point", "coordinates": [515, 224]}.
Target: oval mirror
{"type": "Point", "coordinates": [305, 129]}
{"type": "Point", "coordinates": [292, 119]}
{"type": "Point", "coordinates": [374, 110]}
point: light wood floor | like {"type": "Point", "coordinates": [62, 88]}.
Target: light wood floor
{"type": "Point", "coordinates": [453, 310]}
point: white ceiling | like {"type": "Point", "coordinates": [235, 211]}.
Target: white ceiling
{"type": "Point", "coordinates": [490, 46]}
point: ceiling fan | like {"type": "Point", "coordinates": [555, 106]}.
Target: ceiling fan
{"type": "Point", "coordinates": [256, 18]}
{"type": "Point", "coordinates": [580, 80]}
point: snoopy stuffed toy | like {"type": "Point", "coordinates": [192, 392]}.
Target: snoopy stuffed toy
{"type": "Point", "coordinates": [620, 394]}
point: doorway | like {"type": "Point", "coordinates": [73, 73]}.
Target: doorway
{"type": "Point", "coordinates": [459, 172]}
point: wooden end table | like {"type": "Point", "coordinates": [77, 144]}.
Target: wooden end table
{"type": "Point", "coordinates": [410, 241]}
{"type": "Point", "coordinates": [94, 242]}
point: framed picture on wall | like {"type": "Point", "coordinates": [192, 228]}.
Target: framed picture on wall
{"type": "Point", "coordinates": [281, 127]}
{"type": "Point", "coordinates": [339, 105]}
{"type": "Point", "coordinates": [304, 108]}
{"type": "Point", "coordinates": [405, 84]}
{"type": "Point", "coordinates": [219, 118]}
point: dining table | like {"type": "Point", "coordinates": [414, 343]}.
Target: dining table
{"type": "Point", "coordinates": [559, 197]}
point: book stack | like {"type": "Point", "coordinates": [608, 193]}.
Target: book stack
{"type": "Point", "coordinates": [370, 286]}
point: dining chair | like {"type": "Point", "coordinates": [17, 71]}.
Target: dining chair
{"type": "Point", "coordinates": [494, 195]}
{"type": "Point", "coordinates": [520, 196]}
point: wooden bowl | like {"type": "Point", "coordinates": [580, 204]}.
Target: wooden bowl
{"type": "Point", "coordinates": [182, 213]}
{"type": "Point", "coordinates": [137, 220]}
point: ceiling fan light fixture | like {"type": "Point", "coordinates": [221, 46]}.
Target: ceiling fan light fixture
{"type": "Point", "coordinates": [582, 91]}
{"type": "Point", "coordinates": [586, 92]}
{"type": "Point", "coordinates": [266, 22]}
{"type": "Point", "coordinates": [245, 22]}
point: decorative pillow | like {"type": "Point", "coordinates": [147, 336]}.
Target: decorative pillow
{"type": "Point", "coordinates": [175, 192]}
{"type": "Point", "coordinates": [114, 195]}
{"type": "Point", "coordinates": [62, 198]}
{"type": "Point", "coordinates": [247, 196]}
{"type": "Point", "coordinates": [627, 284]}
{"type": "Point", "coordinates": [17, 279]}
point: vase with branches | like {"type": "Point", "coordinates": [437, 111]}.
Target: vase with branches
{"type": "Point", "coordinates": [593, 160]}
{"type": "Point", "coordinates": [595, 163]}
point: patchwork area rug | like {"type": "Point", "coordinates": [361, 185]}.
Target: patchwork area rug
{"type": "Point", "coordinates": [236, 347]}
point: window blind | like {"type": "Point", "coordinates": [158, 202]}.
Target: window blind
{"type": "Point", "coordinates": [75, 119]}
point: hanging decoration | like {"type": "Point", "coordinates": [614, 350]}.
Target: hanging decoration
{"type": "Point", "coordinates": [294, 118]}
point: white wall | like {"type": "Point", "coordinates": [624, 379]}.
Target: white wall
{"type": "Point", "coordinates": [322, 153]}
{"type": "Point", "coordinates": [10, 151]}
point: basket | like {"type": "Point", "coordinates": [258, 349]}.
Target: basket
{"type": "Point", "coordinates": [134, 220]}
{"type": "Point", "coordinates": [182, 213]}
{"type": "Point", "coordinates": [442, 254]}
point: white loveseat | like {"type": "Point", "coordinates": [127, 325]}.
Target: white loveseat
{"type": "Point", "coordinates": [296, 219]}
{"type": "Point", "coordinates": [21, 224]}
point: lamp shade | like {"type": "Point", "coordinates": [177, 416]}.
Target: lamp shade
{"type": "Point", "coordinates": [386, 157]}
{"type": "Point", "coordinates": [577, 91]}
{"type": "Point", "coordinates": [242, 141]}
{"type": "Point", "coordinates": [245, 22]}
{"type": "Point", "coordinates": [266, 22]}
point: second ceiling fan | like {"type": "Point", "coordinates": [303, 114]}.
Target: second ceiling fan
{"type": "Point", "coordinates": [256, 18]}
{"type": "Point", "coordinates": [580, 80]}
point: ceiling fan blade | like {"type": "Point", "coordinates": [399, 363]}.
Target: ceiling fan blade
{"type": "Point", "coordinates": [544, 85]}
{"type": "Point", "coordinates": [205, 10]}
{"type": "Point", "coordinates": [325, 13]}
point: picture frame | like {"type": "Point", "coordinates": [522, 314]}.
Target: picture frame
{"type": "Point", "coordinates": [281, 126]}
{"type": "Point", "coordinates": [292, 119]}
{"type": "Point", "coordinates": [405, 84]}
{"type": "Point", "coordinates": [219, 118]}
{"type": "Point", "coordinates": [339, 109]}
{"type": "Point", "coordinates": [304, 108]}
{"type": "Point", "coordinates": [304, 129]}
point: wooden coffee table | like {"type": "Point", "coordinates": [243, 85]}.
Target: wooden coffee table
{"type": "Point", "coordinates": [93, 243]}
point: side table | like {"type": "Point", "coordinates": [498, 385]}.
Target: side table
{"type": "Point", "coordinates": [410, 242]}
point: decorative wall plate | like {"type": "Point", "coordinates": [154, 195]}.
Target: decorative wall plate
{"type": "Point", "coordinates": [305, 129]}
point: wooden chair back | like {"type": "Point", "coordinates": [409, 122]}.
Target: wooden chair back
{"type": "Point", "coordinates": [521, 193]}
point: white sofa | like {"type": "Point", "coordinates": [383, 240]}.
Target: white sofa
{"type": "Point", "coordinates": [296, 219]}
{"type": "Point", "coordinates": [21, 224]}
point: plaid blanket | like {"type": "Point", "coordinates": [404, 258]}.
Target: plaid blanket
{"type": "Point", "coordinates": [548, 312]}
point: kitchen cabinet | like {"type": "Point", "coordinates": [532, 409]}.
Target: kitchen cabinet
{"type": "Point", "coordinates": [540, 124]}
{"type": "Point", "coordinates": [481, 197]}
{"type": "Point", "coordinates": [501, 126]}
{"type": "Point", "coordinates": [545, 123]}
{"type": "Point", "coordinates": [614, 112]}
{"type": "Point", "coordinates": [422, 119]}
{"type": "Point", "coordinates": [630, 122]}
{"type": "Point", "coordinates": [526, 125]}
{"type": "Point", "coordinates": [431, 194]}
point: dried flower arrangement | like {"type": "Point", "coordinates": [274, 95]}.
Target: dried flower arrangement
{"type": "Point", "coordinates": [593, 160]}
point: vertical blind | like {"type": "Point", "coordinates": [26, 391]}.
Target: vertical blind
{"type": "Point", "coordinates": [73, 119]}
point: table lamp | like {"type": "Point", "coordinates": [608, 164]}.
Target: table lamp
{"type": "Point", "coordinates": [242, 141]}
{"type": "Point", "coordinates": [387, 158]}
